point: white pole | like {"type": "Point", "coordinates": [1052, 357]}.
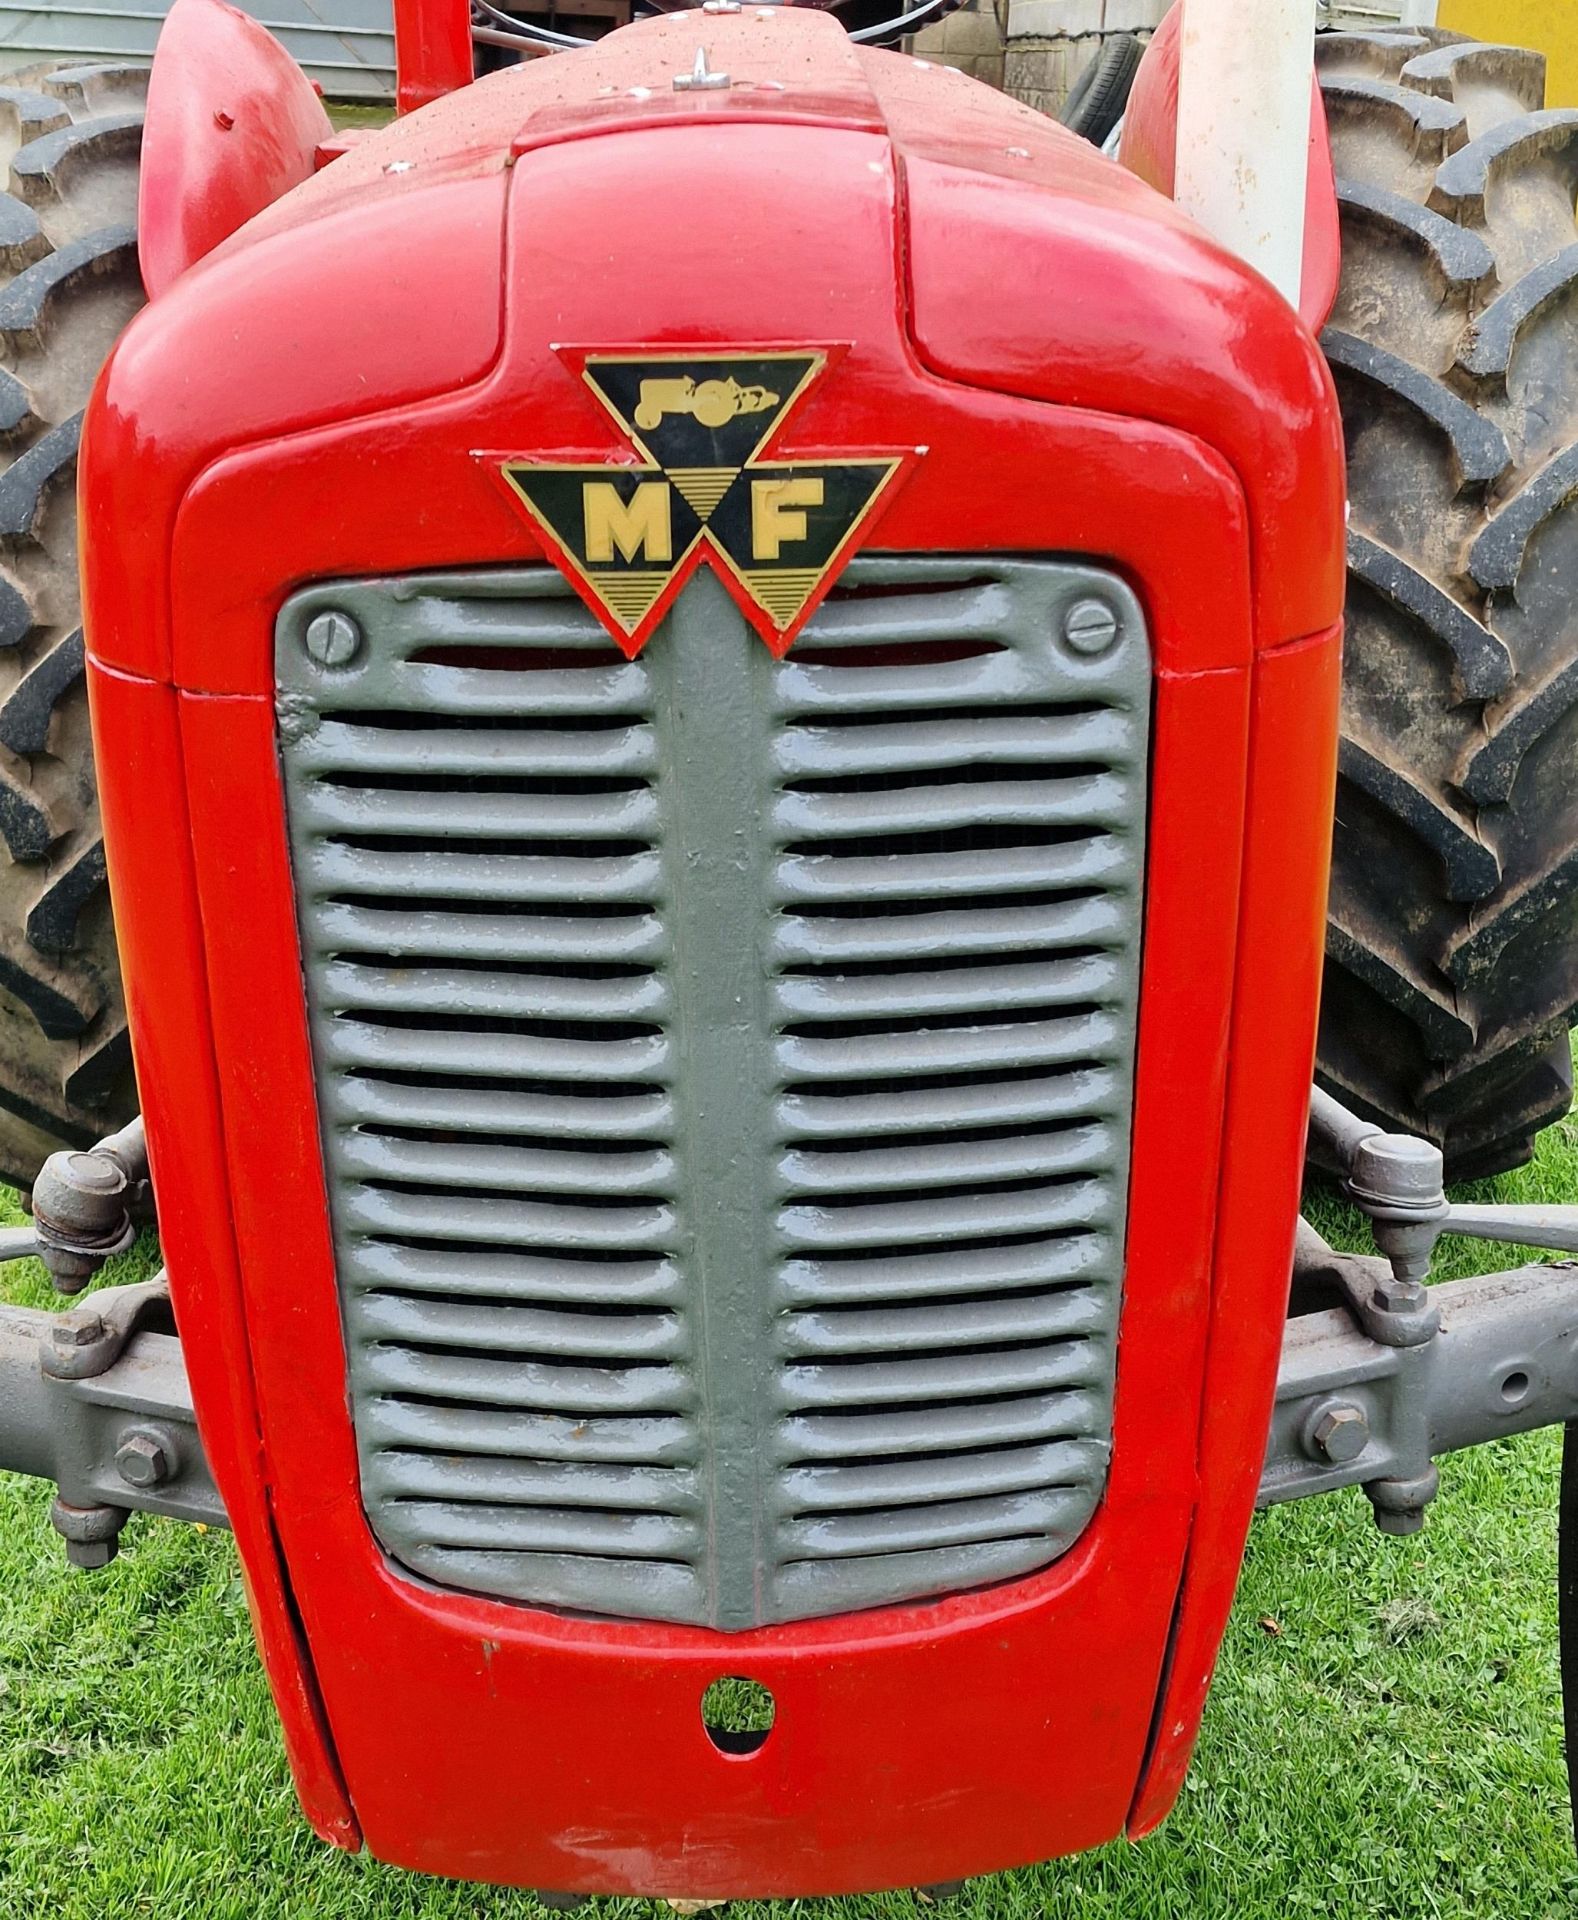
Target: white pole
{"type": "Point", "coordinates": [1243, 128]}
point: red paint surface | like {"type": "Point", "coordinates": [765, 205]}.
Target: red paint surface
{"type": "Point", "coordinates": [912, 1744]}
{"type": "Point", "coordinates": [1292, 778]}
{"type": "Point", "coordinates": [1149, 149]}
{"type": "Point", "coordinates": [232, 124]}
{"type": "Point", "coordinates": [432, 50]}
{"type": "Point", "coordinates": [147, 832]}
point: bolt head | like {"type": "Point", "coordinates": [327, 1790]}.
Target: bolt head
{"type": "Point", "coordinates": [1394, 1295]}
{"type": "Point", "coordinates": [1342, 1434]}
{"type": "Point", "coordinates": [79, 1330]}
{"type": "Point", "coordinates": [332, 638]}
{"type": "Point", "coordinates": [143, 1460]}
{"type": "Point", "coordinates": [1090, 628]}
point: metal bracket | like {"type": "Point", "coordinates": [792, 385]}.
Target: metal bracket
{"type": "Point", "coordinates": [89, 1340]}
{"type": "Point", "coordinates": [1366, 1286]}
{"type": "Point", "coordinates": [98, 1402]}
{"type": "Point", "coordinates": [1372, 1391]}
{"type": "Point", "coordinates": [1504, 1360]}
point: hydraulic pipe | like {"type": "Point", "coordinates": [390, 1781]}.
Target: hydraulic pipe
{"type": "Point", "coordinates": [1244, 86]}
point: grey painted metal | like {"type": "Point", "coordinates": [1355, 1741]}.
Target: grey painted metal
{"type": "Point", "coordinates": [1335, 1134]}
{"type": "Point", "coordinates": [1503, 1360]}
{"type": "Point", "coordinates": [96, 1435]}
{"type": "Point", "coordinates": [1397, 1180]}
{"type": "Point", "coordinates": [347, 46]}
{"type": "Point", "coordinates": [1441, 1367]}
{"type": "Point", "coordinates": [725, 1069]}
{"type": "Point", "coordinates": [82, 1205]}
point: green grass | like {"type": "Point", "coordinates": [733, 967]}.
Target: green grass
{"type": "Point", "coordinates": [1383, 1740]}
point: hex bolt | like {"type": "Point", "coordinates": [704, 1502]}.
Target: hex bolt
{"type": "Point", "coordinates": [145, 1458]}
{"type": "Point", "coordinates": [1337, 1431]}
{"type": "Point", "coordinates": [1394, 1295]}
{"type": "Point", "coordinates": [332, 638]}
{"type": "Point", "coordinates": [79, 1330]}
{"type": "Point", "coordinates": [1090, 628]}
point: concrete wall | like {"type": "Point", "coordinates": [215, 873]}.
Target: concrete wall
{"type": "Point", "coordinates": [971, 40]}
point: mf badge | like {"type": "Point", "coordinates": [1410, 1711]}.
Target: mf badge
{"type": "Point", "coordinates": [704, 483]}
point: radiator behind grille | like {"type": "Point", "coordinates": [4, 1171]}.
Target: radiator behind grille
{"type": "Point", "coordinates": [724, 1069]}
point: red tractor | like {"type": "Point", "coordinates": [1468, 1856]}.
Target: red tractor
{"type": "Point", "coordinates": [716, 668]}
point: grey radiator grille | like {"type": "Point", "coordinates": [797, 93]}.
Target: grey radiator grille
{"type": "Point", "coordinates": [724, 1068]}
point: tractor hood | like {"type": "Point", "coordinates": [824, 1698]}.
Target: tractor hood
{"type": "Point", "coordinates": [567, 201]}
{"type": "Point", "coordinates": [332, 572]}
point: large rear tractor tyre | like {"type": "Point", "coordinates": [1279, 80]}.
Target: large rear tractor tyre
{"type": "Point", "coordinates": [69, 139]}
{"type": "Point", "coordinates": [1452, 956]}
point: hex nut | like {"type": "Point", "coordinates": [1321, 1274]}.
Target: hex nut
{"type": "Point", "coordinates": [145, 1459]}
{"type": "Point", "coordinates": [1090, 628]}
{"type": "Point", "coordinates": [1392, 1295]}
{"type": "Point", "coordinates": [332, 638]}
{"type": "Point", "coordinates": [92, 1534]}
{"type": "Point", "coordinates": [1400, 1503]}
{"type": "Point", "coordinates": [1341, 1434]}
{"type": "Point", "coordinates": [1400, 1522]}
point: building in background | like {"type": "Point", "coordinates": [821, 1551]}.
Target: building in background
{"type": "Point", "coordinates": [347, 46]}
{"type": "Point", "coordinates": [1039, 48]}
{"type": "Point", "coordinates": [1036, 48]}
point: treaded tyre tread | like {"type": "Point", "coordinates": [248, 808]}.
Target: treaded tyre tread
{"type": "Point", "coordinates": [1096, 102]}
{"type": "Point", "coordinates": [1452, 954]}
{"type": "Point", "coordinates": [69, 143]}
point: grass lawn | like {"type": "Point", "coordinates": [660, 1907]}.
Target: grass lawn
{"type": "Point", "coordinates": [1383, 1741]}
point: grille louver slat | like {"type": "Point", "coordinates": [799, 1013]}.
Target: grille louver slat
{"type": "Point", "coordinates": [724, 1071]}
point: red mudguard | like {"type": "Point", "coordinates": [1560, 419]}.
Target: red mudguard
{"type": "Point", "coordinates": [1090, 376]}
{"type": "Point", "coordinates": [232, 124]}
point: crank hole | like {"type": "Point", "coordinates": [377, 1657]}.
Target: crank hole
{"type": "Point", "coordinates": [1515, 1387]}
{"type": "Point", "coordinates": [738, 1714]}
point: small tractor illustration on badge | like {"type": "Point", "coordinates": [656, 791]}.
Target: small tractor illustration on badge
{"type": "Point", "coordinates": [723, 954]}
{"type": "Point", "coordinates": [712, 403]}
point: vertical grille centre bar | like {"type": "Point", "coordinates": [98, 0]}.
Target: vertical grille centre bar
{"type": "Point", "coordinates": [724, 1067]}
